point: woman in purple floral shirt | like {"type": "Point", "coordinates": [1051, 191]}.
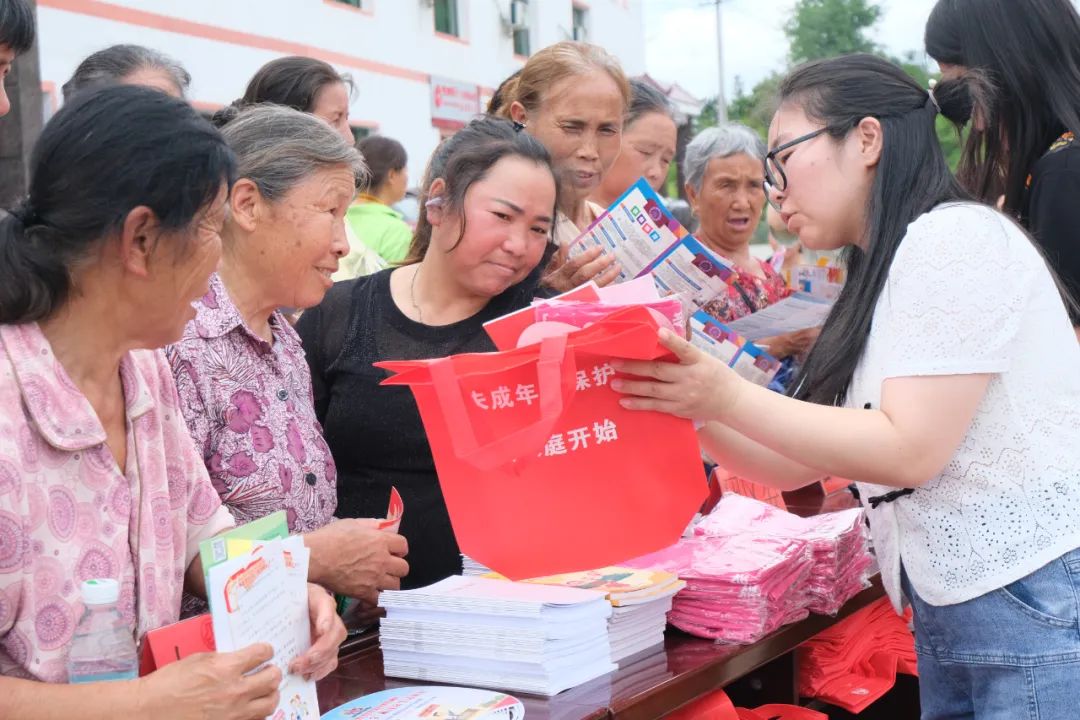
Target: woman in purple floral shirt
{"type": "Point", "coordinates": [245, 387]}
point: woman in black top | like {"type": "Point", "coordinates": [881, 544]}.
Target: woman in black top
{"type": "Point", "coordinates": [1026, 148]}
{"type": "Point", "coordinates": [484, 229]}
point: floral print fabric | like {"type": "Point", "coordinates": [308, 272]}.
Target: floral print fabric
{"type": "Point", "coordinates": [749, 293]}
{"type": "Point", "coordinates": [68, 513]}
{"type": "Point", "coordinates": [249, 407]}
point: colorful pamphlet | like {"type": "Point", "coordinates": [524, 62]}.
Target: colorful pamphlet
{"type": "Point", "coordinates": [820, 281]}
{"type": "Point", "coordinates": [646, 240]}
{"type": "Point", "coordinates": [796, 312]}
{"type": "Point", "coordinates": [722, 342]}
{"type": "Point", "coordinates": [242, 539]}
{"type": "Point", "coordinates": [261, 597]}
{"type": "Point", "coordinates": [693, 272]}
{"type": "Point", "coordinates": [640, 601]}
{"type": "Point", "coordinates": [430, 703]}
{"type": "Point", "coordinates": [636, 229]}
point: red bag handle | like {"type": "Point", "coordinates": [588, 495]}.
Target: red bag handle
{"type": "Point", "coordinates": [554, 358]}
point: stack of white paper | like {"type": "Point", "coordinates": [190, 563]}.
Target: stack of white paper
{"type": "Point", "coordinates": [472, 568]}
{"type": "Point", "coordinates": [510, 636]}
{"type": "Point", "coordinates": [641, 600]}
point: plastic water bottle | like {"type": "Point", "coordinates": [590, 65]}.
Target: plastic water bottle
{"type": "Point", "coordinates": [103, 647]}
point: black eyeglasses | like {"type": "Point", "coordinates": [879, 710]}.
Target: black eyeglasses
{"type": "Point", "coordinates": [775, 177]}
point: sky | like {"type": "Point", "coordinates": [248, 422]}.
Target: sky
{"type": "Point", "coordinates": [680, 37]}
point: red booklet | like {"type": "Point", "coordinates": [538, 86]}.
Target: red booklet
{"type": "Point", "coordinates": [175, 642]}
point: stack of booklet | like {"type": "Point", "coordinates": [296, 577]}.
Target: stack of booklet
{"type": "Point", "coordinates": [640, 599]}
{"type": "Point", "coordinates": [482, 632]}
{"type": "Point", "coordinates": [471, 568]}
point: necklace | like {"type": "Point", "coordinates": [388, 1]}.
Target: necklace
{"type": "Point", "coordinates": [412, 295]}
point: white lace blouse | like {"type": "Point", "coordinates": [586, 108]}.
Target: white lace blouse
{"type": "Point", "coordinates": [968, 293]}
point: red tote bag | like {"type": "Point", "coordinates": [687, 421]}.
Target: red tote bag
{"type": "Point", "coordinates": [542, 471]}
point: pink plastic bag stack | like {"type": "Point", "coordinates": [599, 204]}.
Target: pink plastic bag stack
{"type": "Point", "coordinates": [837, 543]}
{"type": "Point", "coordinates": [751, 568]}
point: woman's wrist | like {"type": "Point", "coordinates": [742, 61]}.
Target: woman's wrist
{"type": "Point", "coordinates": [731, 390]}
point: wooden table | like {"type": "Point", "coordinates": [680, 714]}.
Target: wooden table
{"type": "Point", "coordinates": [643, 688]}
{"type": "Point", "coordinates": [657, 682]}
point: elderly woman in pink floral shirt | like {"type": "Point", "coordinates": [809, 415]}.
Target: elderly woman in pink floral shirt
{"type": "Point", "coordinates": [98, 477]}
{"type": "Point", "coordinates": [245, 386]}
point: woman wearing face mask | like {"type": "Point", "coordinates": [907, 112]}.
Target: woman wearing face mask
{"type": "Point", "coordinates": [485, 226]}
{"type": "Point", "coordinates": [1025, 146]}
{"type": "Point", "coordinates": [924, 385]}
{"type": "Point", "coordinates": [573, 98]}
{"type": "Point", "coordinates": [648, 145]}
{"type": "Point", "coordinates": [245, 388]}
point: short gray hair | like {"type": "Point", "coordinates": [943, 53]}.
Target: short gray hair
{"type": "Point", "coordinates": [722, 141]}
{"type": "Point", "coordinates": [117, 62]}
{"type": "Point", "coordinates": [277, 148]}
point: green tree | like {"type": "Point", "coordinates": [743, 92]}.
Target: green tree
{"type": "Point", "coordinates": [827, 28]}
{"type": "Point", "coordinates": [756, 109]}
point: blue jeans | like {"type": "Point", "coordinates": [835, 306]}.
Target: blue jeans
{"type": "Point", "coordinates": [1012, 654]}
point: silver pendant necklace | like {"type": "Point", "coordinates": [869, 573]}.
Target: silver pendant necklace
{"type": "Point", "coordinates": [412, 295]}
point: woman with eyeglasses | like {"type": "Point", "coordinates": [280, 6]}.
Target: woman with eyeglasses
{"type": "Point", "coordinates": [724, 183]}
{"type": "Point", "coordinates": [928, 385]}
{"type": "Point", "coordinates": [1025, 148]}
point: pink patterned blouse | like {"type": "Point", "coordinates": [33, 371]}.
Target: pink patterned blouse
{"type": "Point", "coordinates": [68, 513]}
{"type": "Point", "coordinates": [249, 407]}
{"type": "Point", "coordinates": [749, 293]}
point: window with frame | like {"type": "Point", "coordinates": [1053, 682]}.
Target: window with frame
{"type": "Point", "coordinates": [446, 17]}
{"type": "Point", "coordinates": [580, 23]}
{"type": "Point", "coordinates": [358, 4]}
{"type": "Point", "coordinates": [519, 19]}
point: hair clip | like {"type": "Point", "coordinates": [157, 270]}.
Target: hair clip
{"type": "Point", "coordinates": [434, 202]}
{"type": "Point", "coordinates": [518, 127]}
{"type": "Point", "coordinates": [930, 92]}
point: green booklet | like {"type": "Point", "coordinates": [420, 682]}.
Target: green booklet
{"type": "Point", "coordinates": [241, 539]}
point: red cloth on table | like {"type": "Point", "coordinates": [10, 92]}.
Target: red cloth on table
{"type": "Point", "coordinates": [854, 663]}
{"type": "Point", "coordinates": [718, 706]}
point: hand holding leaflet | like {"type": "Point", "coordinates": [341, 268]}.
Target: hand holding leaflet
{"type": "Point", "coordinates": [262, 596]}
{"type": "Point", "coordinates": [393, 512]}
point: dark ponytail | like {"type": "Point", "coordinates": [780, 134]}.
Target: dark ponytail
{"type": "Point", "coordinates": [101, 156]}
{"type": "Point", "coordinates": [1031, 52]}
{"type": "Point", "coordinates": [33, 278]}
{"type": "Point", "coordinates": [912, 178]}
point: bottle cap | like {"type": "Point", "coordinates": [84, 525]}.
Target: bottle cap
{"type": "Point", "coordinates": [102, 591]}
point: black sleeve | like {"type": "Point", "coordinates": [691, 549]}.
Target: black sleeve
{"type": "Point", "coordinates": [309, 327]}
{"type": "Point", "coordinates": [322, 330]}
{"type": "Point", "coordinates": [1055, 222]}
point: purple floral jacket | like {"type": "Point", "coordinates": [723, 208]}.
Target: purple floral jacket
{"type": "Point", "coordinates": [250, 410]}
